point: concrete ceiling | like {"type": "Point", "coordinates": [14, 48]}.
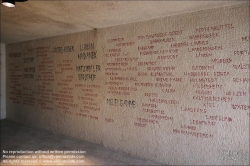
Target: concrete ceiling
{"type": "Point", "coordinates": [39, 19]}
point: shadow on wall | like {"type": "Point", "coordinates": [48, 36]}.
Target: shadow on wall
{"type": "Point", "coordinates": [3, 82]}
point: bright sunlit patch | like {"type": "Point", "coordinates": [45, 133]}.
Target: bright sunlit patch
{"type": "Point", "coordinates": [8, 4]}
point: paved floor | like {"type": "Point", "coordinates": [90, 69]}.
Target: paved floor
{"type": "Point", "coordinates": [20, 145]}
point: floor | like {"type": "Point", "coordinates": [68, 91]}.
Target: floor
{"type": "Point", "coordinates": [23, 145]}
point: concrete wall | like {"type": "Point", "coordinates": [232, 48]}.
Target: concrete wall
{"type": "Point", "coordinates": [174, 90]}
{"type": "Point", "coordinates": [3, 82]}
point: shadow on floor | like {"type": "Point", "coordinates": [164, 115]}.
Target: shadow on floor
{"type": "Point", "coordinates": [23, 145]}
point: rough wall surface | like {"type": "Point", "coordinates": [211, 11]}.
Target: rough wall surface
{"type": "Point", "coordinates": [174, 90]}
{"type": "Point", "coordinates": [3, 81]}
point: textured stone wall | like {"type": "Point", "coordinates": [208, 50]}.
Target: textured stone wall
{"type": "Point", "coordinates": [174, 90]}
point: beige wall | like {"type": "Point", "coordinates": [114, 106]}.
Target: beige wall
{"type": "Point", "coordinates": [174, 90]}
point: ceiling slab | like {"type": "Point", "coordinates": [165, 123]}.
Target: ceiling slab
{"type": "Point", "coordinates": [39, 19]}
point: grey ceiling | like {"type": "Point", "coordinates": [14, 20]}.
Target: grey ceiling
{"type": "Point", "coordinates": [39, 19]}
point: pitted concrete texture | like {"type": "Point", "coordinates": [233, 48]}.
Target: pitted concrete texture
{"type": "Point", "coordinates": [53, 18]}
{"type": "Point", "coordinates": [18, 137]}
